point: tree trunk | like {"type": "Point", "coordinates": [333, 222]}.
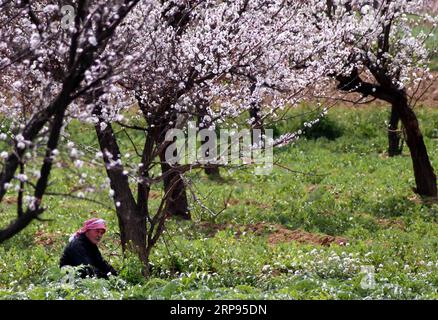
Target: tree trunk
{"type": "Point", "coordinates": [132, 220]}
{"type": "Point", "coordinates": [425, 177]}
{"type": "Point", "coordinates": [177, 199]}
{"type": "Point", "coordinates": [395, 145]}
{"type": "Point", "coordinates": [212, 170]}
{"type": "Point", "coordinates": [32, 213]}
{"type": "Point", "coordinates": [254, 112]}
{"type": "Point", "coordinates": [133, 233]}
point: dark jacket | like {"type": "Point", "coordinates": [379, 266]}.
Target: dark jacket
{"type": "Point", "coordinates": [81, 251]}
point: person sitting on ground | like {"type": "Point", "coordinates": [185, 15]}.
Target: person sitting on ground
{"type": "Point", "coordinates": [82, 250]}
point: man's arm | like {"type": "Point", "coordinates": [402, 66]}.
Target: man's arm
{"type": "Point", "coordinates": [104, 268]}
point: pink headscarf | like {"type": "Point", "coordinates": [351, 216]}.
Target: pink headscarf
{"type": "Point", "coordinates": [94, 223]}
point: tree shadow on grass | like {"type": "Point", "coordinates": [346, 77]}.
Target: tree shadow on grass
{"type": "Point", "coordinates": [396, 207]}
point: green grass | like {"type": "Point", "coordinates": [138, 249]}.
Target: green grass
{"type": "Point", "coordinates": [343, 186]}
{"type": "Point", "coordinates": [431, 43]}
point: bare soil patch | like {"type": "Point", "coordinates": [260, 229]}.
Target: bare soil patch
{"type": "Point", "coordinates": [47, 239]}
{"type": "Point", "coordinates": [276, 233]}
{"type": "Point", "coordinates": [10, 200]}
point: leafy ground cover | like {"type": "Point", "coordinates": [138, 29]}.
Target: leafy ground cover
{"type": "Point", "coordinates": [337, 219]}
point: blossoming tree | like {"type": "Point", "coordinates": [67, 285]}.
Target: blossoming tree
{"type": "Point", "coordinates": [389, 61]}
{"type": "Point", "coordinates": [149, 67]}
{"type": "Point", "coordinates": [48, 61]}
{"type": "Point", "coordinates": [202, 59]}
